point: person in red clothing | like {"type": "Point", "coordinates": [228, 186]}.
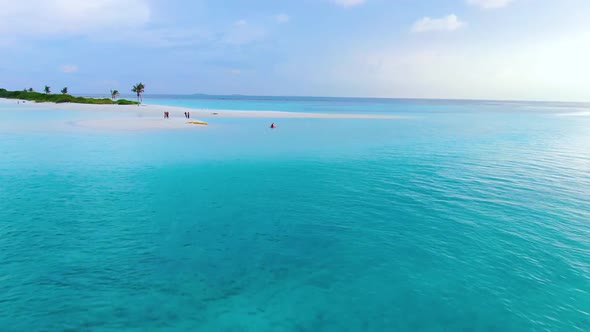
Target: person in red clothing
{"type": "Point", "coordinates": [272, 126]}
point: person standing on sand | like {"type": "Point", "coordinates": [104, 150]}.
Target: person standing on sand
{"type": "Point", "coordinates": [188, 115]}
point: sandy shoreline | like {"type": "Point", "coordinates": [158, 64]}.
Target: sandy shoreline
{"type": "Point", "coordinates": [152, 115]}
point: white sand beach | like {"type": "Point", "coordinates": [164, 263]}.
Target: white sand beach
{"type": "Point", "coordinates": [152, 115]}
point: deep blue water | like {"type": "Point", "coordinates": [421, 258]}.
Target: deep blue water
{"type": "Point", "coordinates": [465, 217]}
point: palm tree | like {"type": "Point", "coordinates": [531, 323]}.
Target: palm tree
{"type": "Point", "coordinates": [64, 90]}
{"type": "Point", "coordinates": [31, 90]}
{"type": "Point", "coordinates": [47, 90]}
{"type": "Point", "coordinates": [138, 89]}
{"type": "Point", "coordinates": [115, 94]}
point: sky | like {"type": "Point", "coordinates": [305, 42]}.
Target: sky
{"type": "Point", "coordinates": [463, 49]}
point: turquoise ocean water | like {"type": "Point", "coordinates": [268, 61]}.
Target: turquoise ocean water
{"type": "Point", "coordinates": [466, 216]}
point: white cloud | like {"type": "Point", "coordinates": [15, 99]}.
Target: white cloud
{"type": "Point", "coordinates": [489, 4]}
{"type": "Point", "coordinates": [166, 37]}
{"type": "Point", "coordinates": [243, 33]}
{"type": "Point", "coordinates": [240, 23]}
{"type": "Point", "coordinates": [234, 71]}
{"type": "Point", "coordinates": [348, 3]}
{"type": "Point", "coordinates": [69, 68]}
{"type": "Point", "coordinates": [447, 23]}
{"type": "Point", "coordinates": [71, 17]}
{"type": "Point", "coordinates": [282, 18]}
{"type": "Point", "coordinates": [544, 67]}
{"type": "Point", "coordinates": [156, 37]}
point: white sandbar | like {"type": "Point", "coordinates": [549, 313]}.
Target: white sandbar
{"type": "Point", "coordinates": [149, 116]}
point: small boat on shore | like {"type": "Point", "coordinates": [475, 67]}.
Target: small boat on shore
{"type": "Point", "coordinates": [203, 123]}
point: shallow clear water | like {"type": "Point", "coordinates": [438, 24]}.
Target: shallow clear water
{"type": "Point", "coordinates": [463, 217]}
{"type": "Point", "coordinates": [358, 105]}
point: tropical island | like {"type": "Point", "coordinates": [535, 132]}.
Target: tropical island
{"type": "Point", "coordinates": [64, 97]}
{"type": "Point", "coordinates": [174, 117]}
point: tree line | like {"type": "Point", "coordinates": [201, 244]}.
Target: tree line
{"type": "Point", "coordinates": [138, 89]}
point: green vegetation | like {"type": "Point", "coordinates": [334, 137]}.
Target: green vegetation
{"type": "Point", "coordinates": [47, 90]}
{"type": "Point", "coordinates": [114, 94]}
{"type": "Point", "coordinates": [63, 98]}
{"type": "Point", "coordinates": [64, 91]}
{"type": "Point", "coordinates": [138, 89]}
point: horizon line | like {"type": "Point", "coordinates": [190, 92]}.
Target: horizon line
{"type": "Point", "coordinates": [343, 97]}
{"type": "Point", "coordinates": [357, 97]}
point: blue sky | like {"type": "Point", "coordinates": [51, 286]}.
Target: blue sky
{"type": "Point", "coordinates": [479, 49]}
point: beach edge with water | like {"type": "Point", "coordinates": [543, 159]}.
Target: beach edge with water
{"type": "Point", "coordinates": [176, 111]}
